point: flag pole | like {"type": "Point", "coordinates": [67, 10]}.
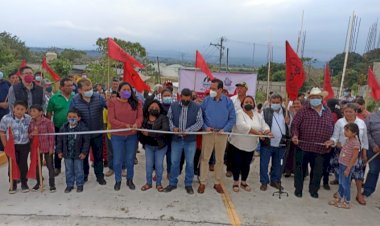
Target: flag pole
{"type": "Point", "coordinates": [108, 72]}
{"type": "Point", "coordinates": [10, 172]}
{"type": "Point", "coordinates": [348, 41]}
{"type": "Point", "coordinates": [269, 65]}
{"type": "Point", "coordinates": [40, 170]}
{"type": "Point", "coordinates": [195, 79]}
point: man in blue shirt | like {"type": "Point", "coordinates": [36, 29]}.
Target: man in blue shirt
{"type": "Point", "coordinates": [219, 117]}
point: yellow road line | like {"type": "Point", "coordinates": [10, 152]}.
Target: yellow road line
{"type": "Point", "coordinates": [231, 211]}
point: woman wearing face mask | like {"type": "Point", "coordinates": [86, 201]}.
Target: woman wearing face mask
{"type": "Point", "coordinates": [248, 121]}
{"type": "Point", "coordinates": [154, 143]}
{"type": "Point", "coordinates": [125, 111]}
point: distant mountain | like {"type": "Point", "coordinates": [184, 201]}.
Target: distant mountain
{"type": "Point", "coordinates": [90, 53]}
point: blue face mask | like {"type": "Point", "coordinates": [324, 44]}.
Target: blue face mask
{"type": "Point", "coordinates": [275, 107]}
{"type": "Point", "coordinates": [315, 102]}
{"type": "Point", "coordinates": [1, 75]}
{"type": "Point", "coordinates": [73, 121]}
{"type": "Point", "coordinates": [88, 93]}
{"type": "Point", "coordinates": [346, 94]}
{"type": "Point", "coordinates": [167, 100]}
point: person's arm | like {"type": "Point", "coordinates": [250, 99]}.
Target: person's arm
{"type": "Point", "coordinates": [371, 139]}
{"type": "Point", "coordinates": [164, 127]}
{"type": "Point", "coordinates": [86, 142]}
{"type": "Point", "coordinates": [3, 138]}
{"type": "Point", "coordinates": [140, 117]}
{"type": "Point", "coordinates": [198, 124]}
{"type": "Point", "coordinates": [231, 116]}
{"type": "Point", "coordinates": [203, 107]}
{"type": "Point", "coordinates": [50, 108]}
{"type": "Point", "coordinates": [295, 127]}
{"type": "Point", "coordinates": [241, 125]}
{"type": "Point", "coordinates": [116, 124]}
{"type": "Point", "coordinates": [11, 98]}
{"type": "Point", "coordinates": [364, 141]}
{"type": "Point", "coordinates": [170, 117]}
{"type": "Point", "coordinates": [336, 134]}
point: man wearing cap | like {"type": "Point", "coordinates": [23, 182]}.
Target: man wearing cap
{"type": "Point", "coordinates": [311, 127]}
{"type": "Point", "coordinates": [241, 90]}
{"type": "Point", "coordinates": [347, 96]}
{"type": "Point", "coordinates": [184, 116]}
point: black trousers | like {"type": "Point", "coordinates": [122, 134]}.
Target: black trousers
{"type": "Point", "coordinates": [96, 143]}
{"type": "Point", "coordinates": [326, 167]}
{"type": "Point", "coordinates": [229, 157]}
{"type": "Point", "coordinates": [57, 160]}
{"type": "Point", "coordinates": [49, 165]}
{"type": "Point", "coordinates": [22, 153]}
{"type": "Point", "coordinates": [241, 162]}
{"type": "Point", "coordinates": [303, 159]}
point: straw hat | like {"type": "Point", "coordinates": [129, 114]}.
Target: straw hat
{"type": "Point", "coordinates": [317, 92]}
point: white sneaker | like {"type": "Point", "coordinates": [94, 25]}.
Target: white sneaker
{"type": "Point", "coordinates": [109, 173]}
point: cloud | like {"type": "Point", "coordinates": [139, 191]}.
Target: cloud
{"type": "Point", "coordinates": [69, 25]}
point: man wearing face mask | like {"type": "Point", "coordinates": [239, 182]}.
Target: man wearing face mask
{"type": "Point", "coordinates": [347, 96]}
{"type": "Point", "coordinates": [218, 116]}
{"type": "Point", "coordinates": [90, 106]}
{"type": "Point", "coordinates": [38, 78]}
{"type": "Point", "coordinates": [273, 148]}
{"type": "Point", "coordinates": [184, 116]}
{"type": "Point", "coordinates": [311, 127]}
{"type": "Point", "coordinates": [27, 90]}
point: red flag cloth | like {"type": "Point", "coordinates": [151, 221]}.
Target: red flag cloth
{"type": "Point", "coordinates": [327, 84]}
{"type": "Point", "coordinates": [117, 53]}
{"type": "Point", "coordinates": [46, 67]}
{"type": "Point", "coordinates": [23, 64]}
{"type": "Point", "coordinates": [201, 64]}
{"type": "Point", "coordinates": [11, 153]}
{"type": "Point", "coordinates": [32, 172]}
{"type": "Point", "coordinates": [295, 75]}
{"type": "Point", "coordinates": [374, 85]}
{"type": "Point", "coordinates": [132, 77]}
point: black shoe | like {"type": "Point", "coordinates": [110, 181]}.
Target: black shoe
{"type": "Point", "coordinates": [170, 188]}
{"type": "Point", "coordinates": [85, 179]}
{"type": "Point", "coordinates": [24, 188]}
{"type": "Point", "coordinates": [14, 189]}
{"type": "Point", "coordinates": [68, 189]}
{"type": "Point", "coordinates": [327, 187]}
{"type": "Point", "coordinates": [189, 190]}
{"type": "Point", "coordinates": [52, 189]}
{"type": "Point", "coordinates": [101, 181]}
{"type": "Point", "coordinates": [131, 185]}
{"type": "Point", "coordinates": [117, 186]}
{"type": "Point", "coordinates": [276, 185]}
{"type": "Point", "coordinates": [36, 187]}
{"type": "Point", "coordinates": [57, 172]}
{"type": "Point", "coordinates": [314, 195]}
{"type": "Point", "coordinates": [80, 188]}
{"type": "Point", "coordinates": [298, 194]}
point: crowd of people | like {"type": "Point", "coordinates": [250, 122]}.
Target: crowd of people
{"type": "Point", "coordinates": [305, 137]}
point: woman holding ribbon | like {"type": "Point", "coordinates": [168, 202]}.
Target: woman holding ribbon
{"type": "Point", "coordinates": [124, 112]}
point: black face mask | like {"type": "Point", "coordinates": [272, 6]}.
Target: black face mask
{"type": "Point", "coordinates": [248, 107]}
{"type": "Point", "coordinates": [360, 110]}
{"type": "Point", "coordinates": [154, 112]}
{"type": "Point", "coordinates": [185, 102]}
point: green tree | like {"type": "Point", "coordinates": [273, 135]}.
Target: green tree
{"type": "Point", "coordinates": [61, 66]}
{"type": "Point", "coordinates": [263, 70]}
{"type": "Point", "coordinates": [372, 56]}
{"type": "Point", "coordinates": [11, 49]}
{"type": "Point", "coordinates": [72, 55]}
{"type": "Point", "coordinates": [336, 64]}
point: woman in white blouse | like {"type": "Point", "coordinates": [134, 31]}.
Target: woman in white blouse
{"type": "Point", "coordinates": [338, 139]}
{"type": "Point", "coordinates": [248, 121]}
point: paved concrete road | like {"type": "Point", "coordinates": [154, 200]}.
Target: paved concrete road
{"type": "Point", "coordinates": [101, 205]}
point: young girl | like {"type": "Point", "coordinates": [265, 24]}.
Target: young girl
{"type": "Point", "coordinates": [347, 159]}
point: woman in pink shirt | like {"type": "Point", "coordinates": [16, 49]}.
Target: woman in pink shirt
{"type": "Point", "coordinates": [124, 112]}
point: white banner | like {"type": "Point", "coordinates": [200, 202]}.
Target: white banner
{"type": "Point", "coordinates": [198, 81]}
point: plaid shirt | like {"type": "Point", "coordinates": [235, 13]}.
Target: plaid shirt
{"type": "Point", "coordinates": [313, 128]}
{"type": "Point", "coordinates": [44, 126]}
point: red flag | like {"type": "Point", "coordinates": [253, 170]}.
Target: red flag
{"type": "Point", "coordinates": [295, 75]}
{"type": "Point", "coordinates": [132, 77]}
{"type": "Point", "coordinates": [11, 152]}
{"type": "Point", "coordinates": [117, 53]}
{"type": "Point", "coordinates": [45, 66]}
{"type": "Point", "coordinates": [327, 84]}
{"type": "Point", "coordinates": [201, 64]}
{"type": "Point", "coordinates": [32, 172]}
{"type": "Point", "coordinates": [374, 85]}
{"type": "Point", "coordinates": [23, 64]}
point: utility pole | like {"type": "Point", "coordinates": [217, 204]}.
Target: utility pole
{"type": "Point", "coordinates": [221, 48]}
{"type": "Point", "coordinates": [158, 78]}
{"type": "Point", "coordinates": [227, 58]}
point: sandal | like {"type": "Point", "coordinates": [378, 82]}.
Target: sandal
{"type": "Point", "coordinates": [336, 195]}
{"type": "Point", "coordinates": [361, 200]}
{"type": "Point", "coordinates": [344, 205]}
{"type": "Point", "coordinates": [235, 188]}
{"type": "Point", "coordinates": [160, 188]}
{"type": "Point", "coordinates": [335, 202]}
{"type": "Point", "coordinates": [146, 187]}
{"type": "Point", "coordinates": [245, 187]}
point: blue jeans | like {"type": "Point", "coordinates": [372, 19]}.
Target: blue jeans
{"type": "Point", "coordinates": [344, 184]}
{"type": "Point", "coordinates": [124, 148]}
{"type": "Point", "coordinates": [154, 157]}
{"type": "Point", "coordinates": [373, 174]}
{"type": "Point", "coordinates": [74, 172]}
{"type": "Point", "coordinates": [277, 153]}
{"type": "Point", "coordinates": [110, 155]}
{"type": "Point", "coordinates": [189, 148]}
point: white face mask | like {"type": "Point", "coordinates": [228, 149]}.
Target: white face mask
{"type": "Point", "coordinates": [213, 93]}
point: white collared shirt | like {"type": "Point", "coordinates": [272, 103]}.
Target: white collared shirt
{"type": "Point", "coordinates": [278, 128]}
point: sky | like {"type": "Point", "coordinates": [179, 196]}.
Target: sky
{"type": "Point", "coordinates": [180, 27]}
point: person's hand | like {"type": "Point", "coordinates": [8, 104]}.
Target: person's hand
{"type": "Point", "coordinates": [3, 105]}
{"type": "Point", "coordinates": [145, 133]}
{"type": "Point", "coordinates": [329, 143]}
{"type": "Point", "coordinates": [208, 129]}
{"type": "Point", "coordinates": [295, 140]}
{"type": "Point", "coordinates": [127, 126]}
{"type": "Point", "coordinates": [254, 132]}
{"type": "Point", "coordinates": [34, 132]}
{"type": "Point", "coordinates": [51, 152]}
{"type": "Point", "coordinates": [134, 126]}
{"type": "Point", "coordinates": [338, 145]}
{"type": "Point", "coordinates": [221, 131]}
{"type": "Point", "coordinates": [287, 119]}
{"type": "Point", "coordinates": [347, 172]}
{"type": "Point", "coordinates": [176, 130]}
{"type": "Point", "coordinates": [376, 150]}
{"type": "Point", "coordinates": [60, 155]}
{"type": "Point", "coordinates": [82, 156]}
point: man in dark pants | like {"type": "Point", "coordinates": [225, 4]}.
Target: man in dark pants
{"type": "Point", "coordinates": [90, 105]}
{"type": "Point", "coordinates": [4, 88]}
{"type": "Point", "coordinates": [311, 127]}
{"type": "Point", "coordinates": [58, 107]}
